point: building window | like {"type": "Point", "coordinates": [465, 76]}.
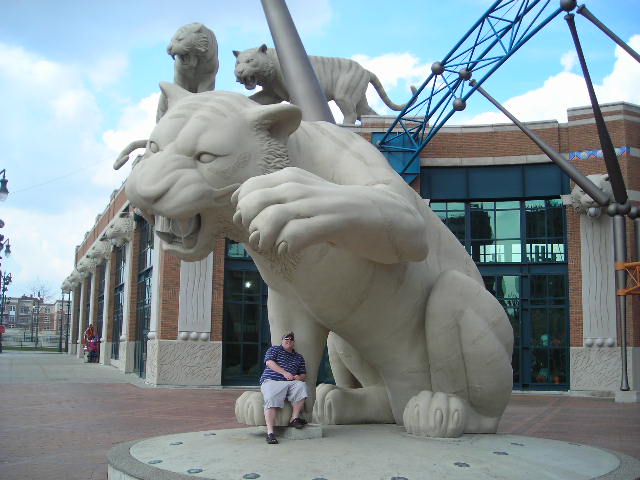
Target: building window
{"type": "Point", "coordinates": [236, 250]}
{"type": "Point", "coordinates": [500, 231]}
{"type": "Point", "coordinates": [87, 304]}
{"type": "Point", "coordinates": [495, 232]}
{"type": "Point", "coordinates": [143, 307]}
{"type": "Point", "coordinates": [544, 221]}
{"type": "Point", "coordinates": [100, 280]}
{"type": "Point", "coordinates": [453, 215]}
{"type": "Point", "coordinates": [246, 334]}
{"type": "Point", "coordinates": [519, 247]}
{"type": "Point", "coordinates": [118, 300]}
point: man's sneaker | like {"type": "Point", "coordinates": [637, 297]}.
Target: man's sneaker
{"type": "Point", "coordinates": [271, 439]}
{"type": "Point", "coordinates": [297, 423]}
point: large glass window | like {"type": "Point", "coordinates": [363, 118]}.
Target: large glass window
{"type": "Point", "coordinates": [549, 342]}
{"type": "Point", "coordinates": [495, 232]}
{"type": "Point", "coordinates": [246, 335]}
{"type": "Point", "coordinates": [519, 246]}
{"type": "Point", "coordinates": [100, 274]}
{"type": "Point", "coordinates": [118, 300]}
{"type": "Point", "coordinates": [454, 217]}
{"type": "Point", "coordinates": [544, 230]}
{"type": "Point", "coordinates": [506, 288]}
{"type": "Point", "coordinates": [515, 231]}
{"type": "Point", "coordinates": [87, 303]}
{"type": "Point", "coordinates": [143, 306]}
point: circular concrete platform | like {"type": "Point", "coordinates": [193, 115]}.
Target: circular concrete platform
{"type": "Point", "coordinates": [369, 452]}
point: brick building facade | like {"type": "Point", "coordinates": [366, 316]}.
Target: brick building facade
{"type": "Point", "coordinates": [205, 323]}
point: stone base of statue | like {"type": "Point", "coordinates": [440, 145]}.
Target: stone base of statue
{"type": "Point", "coordinates": [368, 452]}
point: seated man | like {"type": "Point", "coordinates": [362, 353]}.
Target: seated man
{"type": "Point", "coordinates": [283, 377]}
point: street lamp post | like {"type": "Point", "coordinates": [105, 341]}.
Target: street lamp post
{"type": "Point", "coordinates": [61, 321]}
{"type": "Point", "coordinates": [4, 281]}
{"type": "Point", "coordinates": [66, 335]}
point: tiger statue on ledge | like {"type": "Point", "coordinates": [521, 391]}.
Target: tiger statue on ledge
{"type": "Point", "coordinates": [341, 79]}
{"type": "Point", "coordinates": [345, 246]}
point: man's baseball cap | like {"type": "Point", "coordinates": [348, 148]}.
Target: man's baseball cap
{"type": "Point", "coordinates": [288, 336]}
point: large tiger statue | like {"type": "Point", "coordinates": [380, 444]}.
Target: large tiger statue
{"type": "Point", "coordinates": [341, 79]}
{"type": "Point", "coordinates": [345, 246]}
{"type": "Point", "coordinates": [194, 49]}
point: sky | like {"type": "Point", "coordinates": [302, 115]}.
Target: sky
{"type": "Point", "coordinates": [79, 81]}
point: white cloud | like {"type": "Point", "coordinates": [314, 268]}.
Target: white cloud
{"type": "Point", "coordinates": [107, 70]}
{"type": "Point", "coordinates": [393, 70]}
{"type": "Point", "coordinates": [622, 83]}
{"type": "Point", "coordinates": [136, 123]}
{"type": "Point", "coordinates": [43, 244]}
{"type": "Point", "coordinates": [568, 60]}
{"type": "Point", "coordinates": [566, 90]}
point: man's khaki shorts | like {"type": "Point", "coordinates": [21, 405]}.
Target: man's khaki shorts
{"type": "Point", "coordinates": [275, 392]}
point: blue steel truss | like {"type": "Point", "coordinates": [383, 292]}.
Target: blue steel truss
{"type": "Point", "coordinates": [505, 27]}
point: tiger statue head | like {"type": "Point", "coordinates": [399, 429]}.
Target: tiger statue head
{"type": "Point", "coordinates": [582, 202]}
{"type": "Point", "coordinates": [199, 153]}
{"type": "Point", "coordinates": [195, 51]}
{"type": "Point", "coordinates": [255, 66]}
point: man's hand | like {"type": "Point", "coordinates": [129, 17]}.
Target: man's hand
{"type": "Point", "coordinates": [289, 376]}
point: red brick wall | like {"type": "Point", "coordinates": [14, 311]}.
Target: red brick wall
{"type": "Point", "coordinates": [169, 291]}
{"type": "Point", "coordinates": [217, 302]}
{"type": "Point", "coordinates": [132, 319]}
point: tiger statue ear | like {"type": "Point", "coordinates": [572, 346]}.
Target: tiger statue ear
{"type": "Point", "coordinates": [279, 120]}
{"type": "Point", "coordinates": [173, 92]}
{"type": "Point", "coordinates": [262, 48]}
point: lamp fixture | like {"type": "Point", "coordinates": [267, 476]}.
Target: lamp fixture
{"type": "Point", "coordinates": [4, 191]}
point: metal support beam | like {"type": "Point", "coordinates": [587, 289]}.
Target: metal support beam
{"type": "Point", "coordinates": [299, 76]}
{"type": "Point", "coordinates": [584, 11]}
{"type": "Point", "coordinates": [620, 257]}
{"type": "Point", "coordinates": [608, 152]}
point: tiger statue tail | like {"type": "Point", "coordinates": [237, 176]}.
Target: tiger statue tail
{"type": "Point", "coordinates": [373, 80]}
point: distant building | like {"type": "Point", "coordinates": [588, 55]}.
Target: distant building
{"type": "Point", "coordinates": [551, 267]}
{"type": "Point", "coordinates": [31, 313]}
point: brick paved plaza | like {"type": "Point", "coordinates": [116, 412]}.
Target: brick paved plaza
{"type": "Point", "coordinates": [60, 417]}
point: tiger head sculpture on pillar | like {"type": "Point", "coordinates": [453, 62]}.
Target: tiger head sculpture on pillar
{"type": "Point", "coordinates": [346, 247]}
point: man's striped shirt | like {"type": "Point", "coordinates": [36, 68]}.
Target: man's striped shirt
{"type": "Point", "coordinates": [292, 362]}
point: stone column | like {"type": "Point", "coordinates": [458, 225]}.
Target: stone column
{"type": "Point", "coordinates": [596, 365]}
{"type": "Point", "coordinates": [99, 254]}
{"type": "Point", "coordinates": [119, 233]}
{"type": "Point", "coordinates": [81, 314]}
{"type": "Point", "coordinates": [191, 358]}
{"type": "Point", "coordinates": [75, 319]}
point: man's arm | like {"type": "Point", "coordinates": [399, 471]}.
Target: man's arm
{"type": "Point", "coordinates": [277, 368]}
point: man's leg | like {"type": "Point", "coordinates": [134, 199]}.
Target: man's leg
{"type": "Point", "coordinates": [297, 409]}
{"type": "Point", "coordinates": [270, 419]}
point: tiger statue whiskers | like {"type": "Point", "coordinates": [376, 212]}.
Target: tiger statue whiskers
{"type": "Point", "coordinates": [342, 80]}
{"type": "Point", "coordinates": [345, 246]}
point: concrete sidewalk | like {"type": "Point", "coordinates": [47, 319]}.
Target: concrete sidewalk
{"type": "Point", "coordinates": [60, 417]}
